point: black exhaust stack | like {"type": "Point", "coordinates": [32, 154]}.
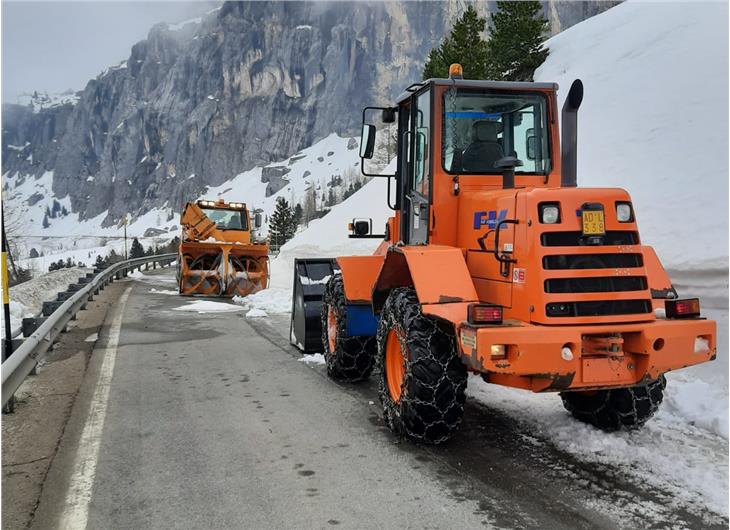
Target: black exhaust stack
{"type": "Point", "coordinates": [569, 137]}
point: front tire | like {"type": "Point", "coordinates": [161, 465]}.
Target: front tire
{"type": "Point", "coordinates": [422, 380]}
{"type": "Point", "coordinates": [618, 408]}
{"type": "Point", "coordinates": [348, 359]}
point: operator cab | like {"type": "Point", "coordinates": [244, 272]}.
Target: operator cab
{"type": "Point", "coordinates": [455, 134]}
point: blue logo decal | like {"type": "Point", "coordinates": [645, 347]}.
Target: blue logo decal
{"type": "Point", "coordinates": [489, 219]}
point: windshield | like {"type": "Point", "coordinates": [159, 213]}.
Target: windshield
{"type": "Point", "coordinates": [226, 219]}
{"type": "Point", "coordinates": [481, 126]}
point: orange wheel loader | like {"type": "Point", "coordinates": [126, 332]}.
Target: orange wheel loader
{"type": "Point", "coordinates": [217, 256]}
{"type": "Point", "coordinates": [496, 263]}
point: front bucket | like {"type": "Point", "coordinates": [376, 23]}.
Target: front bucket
{"type": "Point", "coordinates": [310, 278]}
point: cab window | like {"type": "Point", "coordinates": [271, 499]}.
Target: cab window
{"type": "Point", "coordinates": [421, 162]}
{"type": "Point", "coordinates": [481, 126]}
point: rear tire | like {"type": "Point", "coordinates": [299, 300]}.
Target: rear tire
{"type": "Point", "coordinates": [617, 408]}
{"type": "Point", "coordinates": [348, 359]}
{"type": "Point", "coordinates": [424, 399]}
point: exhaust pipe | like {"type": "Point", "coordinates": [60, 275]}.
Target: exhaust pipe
{"type": "Point", "coordinates": [569, 136]}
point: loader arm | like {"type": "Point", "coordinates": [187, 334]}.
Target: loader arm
{"type": "Point", "coordinates": [196, 225]}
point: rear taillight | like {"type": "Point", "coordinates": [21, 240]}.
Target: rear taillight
{"type": "Point", "coordinates": [682, 308]}
{"type": "Point", "coordinates": [484, 314]}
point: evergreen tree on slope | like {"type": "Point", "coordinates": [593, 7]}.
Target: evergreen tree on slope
{"type": "Point", "coordinates": [515, 47]}
{"type": "Point", "coordinates": [464, 45]}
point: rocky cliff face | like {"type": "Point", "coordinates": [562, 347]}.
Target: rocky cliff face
{"type": "Point", "coordinates": [252, 82]}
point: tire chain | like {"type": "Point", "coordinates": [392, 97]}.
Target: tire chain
{"type": "Point", "coordinates": [433, 392]}
{"type": "Point", "coordinates": [618, 408]}
{"type": "Point", "coordinates": [354, 356]}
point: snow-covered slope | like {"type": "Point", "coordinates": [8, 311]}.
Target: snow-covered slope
{"type": "Point", "coordinates": [26, 299]}
{"type": "Point", "coordinates": [654, 119]}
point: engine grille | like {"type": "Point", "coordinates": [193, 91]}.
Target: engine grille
{"type": "Point", "coordinates": [576, 239]}
{"type": "Point", "coordinates": [598, 284]}
{"type": "Point", "coordinates": [592, 261]}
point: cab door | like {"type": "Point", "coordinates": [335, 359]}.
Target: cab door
{"type": "Point", "coordinates": [417, 189]}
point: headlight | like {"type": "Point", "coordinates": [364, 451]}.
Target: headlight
{"type": "Point", "coordinates": [549, 214]}
{"type": "Point", "coordinates": [623, 212]}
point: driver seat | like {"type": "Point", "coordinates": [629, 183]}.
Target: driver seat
{"type": "Point", "coordinates": [484, 151]}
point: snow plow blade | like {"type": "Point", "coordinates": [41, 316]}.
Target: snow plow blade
{"type": "Point", "coordinates": [220, 269]}
{"type": "Point", "coordinates": [310, 279]}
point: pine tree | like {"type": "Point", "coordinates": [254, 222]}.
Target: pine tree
{"type": "Point", "coordinates": [137, 250]}
{"type": "Point", "coordinates": [518, 30]}
{"type": "Point", "coordinates": [33, 253]}
{"type": "Point", "coordinates": [282, 226]}
{"type": "Point", "coordinates": [56, 209]}
{"type": "Point", "coordinates": [99, 263]}
{"type": "Point", "coordinates": [46, 223]}
{"type": "Point", "coordinates": [113, 257]}
{"type": "Point", "coordinates": [464, 45]}
{"type": "Point", "coordinates": [298, 214]}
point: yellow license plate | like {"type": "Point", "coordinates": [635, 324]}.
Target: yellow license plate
{"type": "Point", "coordinates": [593, 223]}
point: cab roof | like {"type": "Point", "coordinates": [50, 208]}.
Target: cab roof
{"type": "Point", "coordinates": [473, 83]}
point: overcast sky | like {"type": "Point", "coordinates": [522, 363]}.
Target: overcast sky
{"type": "Point", "coordinates": [57, 45]}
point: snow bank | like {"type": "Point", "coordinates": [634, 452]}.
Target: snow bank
{"type": "Point", "coordinates": [328, 236]}
{"type": "Point", "coordinates": [164, 291]}
{"type": "Point", "coordinates": [654, 119]}
{"type": "Point", "coordinates": [206, 306]}
{"type": "Point", "coordinates": [668, 452]}
{"type": "Point", "coordinates": [36, 291]}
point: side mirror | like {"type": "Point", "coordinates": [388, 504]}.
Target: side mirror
{"type": "Point", "coordinates": [367, 141]}
{"type": "Point", "coordinates": [257, 220]}
{"type": "Point", "coordinates": [531, 144]}
{"type": "Point", "coordinates": [361, 227]}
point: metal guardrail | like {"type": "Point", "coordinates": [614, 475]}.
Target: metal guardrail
{"type": "Point", "coordinates": [24, 359]}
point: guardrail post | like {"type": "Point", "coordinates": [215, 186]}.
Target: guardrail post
{"type": "Point", "coordinates": [154, 265]}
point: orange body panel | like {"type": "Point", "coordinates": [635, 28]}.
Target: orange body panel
{"type": "Point", "coordinates": [439, 274]}
{"type": "Point", "coordinates": [536, 352]}
{"type": "Point", "coordinates": [359, 274]}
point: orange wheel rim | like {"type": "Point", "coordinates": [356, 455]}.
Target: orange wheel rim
{"type": "Point", "coordinates": [394, 365]}
{"type": "Point", "coordinates": [331, 328]}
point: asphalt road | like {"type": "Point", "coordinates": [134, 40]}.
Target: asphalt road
{"type": "Point", "coordinates": [190, 420]}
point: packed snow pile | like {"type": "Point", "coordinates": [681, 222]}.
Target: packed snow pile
{"type": "Point", "coordinates": [316, 358]}
{"type": "Point", "coordinates": [26, 299]}
{"type": "Point", "coordinates": [654, 119]}
{"type": "Point", "coordinates": [669, 453]}
{"type": "Point", "coordinates": [206, 306]}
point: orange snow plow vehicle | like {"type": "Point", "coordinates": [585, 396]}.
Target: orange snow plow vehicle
{"type": "Point", "coordinates": [217, 256]}
{"type": "Point", "coordinates": [496, 263]}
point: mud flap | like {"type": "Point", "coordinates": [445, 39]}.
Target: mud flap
{"type": "Point", "coordinates": [310, 279]}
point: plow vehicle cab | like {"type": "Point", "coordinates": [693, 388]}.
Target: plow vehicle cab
{"type": "Point", "coordinates": [217, 256]}
{"type": "Point", "coordinates": [496, 263]}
